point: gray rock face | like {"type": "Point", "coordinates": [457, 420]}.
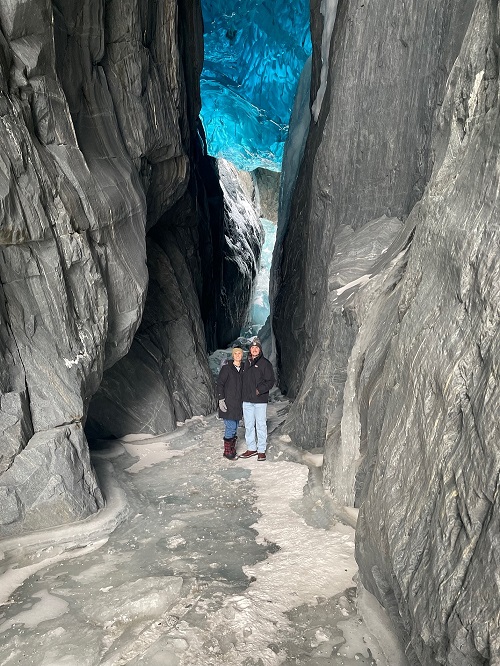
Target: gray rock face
{"type": "Point", "coordinates": [261, 188]}
{"type": "Point", "coordinates": [389, 76]}
{"type": "Point", "coordinates": [50, 482]}
{"type": "Point", "coordinates": [267, 184]}
{"type": "Point", "coordinates": [95, 134]}
{"type": "Point", "coordinates": [367, 158]}
{"type": "Point", "coordinates": [360, 254]}
{"type": "Point", "coordinates": [430, 518]}
{"type": "Point", "coordinates": [15, 426]}
{"type": "Point", "coordinates": [165, 377]}
{"type": "Point", "coordinates": [403, 387]}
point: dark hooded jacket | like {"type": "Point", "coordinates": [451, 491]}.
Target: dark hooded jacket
{"type": "Point", "coordinates": [258, 379]}
{"type": "Point", "coordinates": [229, 384]}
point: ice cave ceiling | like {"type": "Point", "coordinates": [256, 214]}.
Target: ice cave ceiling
{"type": "Point", "coordinates": [254, 54]}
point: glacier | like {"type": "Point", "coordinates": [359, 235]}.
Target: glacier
{"type": "Point", "coordinates": [254, 55]}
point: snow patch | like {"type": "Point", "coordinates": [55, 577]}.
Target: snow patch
{"type": "Point", "coordinates": [355, 283]}
{"type": "Point", "coordinates": [149, 454]}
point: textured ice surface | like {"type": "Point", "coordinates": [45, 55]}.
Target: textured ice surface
{"type": "Point", "coordinates": [214, 562]}
{"type": "Point", "coordinates": [259, 307]}
{"type": "Point", "coordinates": [254, 55]}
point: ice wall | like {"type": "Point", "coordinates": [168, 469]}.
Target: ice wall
{"type": "Point", "coordinates": [254, 54]}
{"type": "Point", "coordinates": [259, 305]}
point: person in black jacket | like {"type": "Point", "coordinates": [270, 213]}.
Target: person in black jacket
{"type": "Point", "coordinates": [258, 380]}
{"type": "Point", "coordinates": [229, 387]}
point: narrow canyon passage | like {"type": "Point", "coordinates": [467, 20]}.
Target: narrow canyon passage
{"type": "Point", "coordinates": [130, 246]}
{"type": "Point", "coordinates": [212, 562]}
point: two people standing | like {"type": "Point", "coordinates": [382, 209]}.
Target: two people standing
{"type": "Point", "coordinates": [243, 388]}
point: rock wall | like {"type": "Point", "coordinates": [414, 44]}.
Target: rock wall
{"type": "Point", "coordinates": [100, 141]}
{"type": "Point", "coordinates": [165, 378]}
{"type": "Point", "coordinates": [387, 319]}
{"type": "Point", "coordinates": [427, 540]}
{"type": "Point", "coordinates": [267, 187]}
{"type": "Point", "coordinates": [367, 156]}
{"type": "Point", "coordinates": [72, 257]}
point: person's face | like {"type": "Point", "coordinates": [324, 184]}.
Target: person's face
{"type": "Point", "coordinates": [254, 351]}
{"type": "Point", "coordinates": [237, 355]}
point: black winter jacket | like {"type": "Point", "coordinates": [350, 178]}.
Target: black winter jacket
{"type": "Point", "coordinates": [258, 379]}
{"type": "Point", "coordinates": [229, 385]}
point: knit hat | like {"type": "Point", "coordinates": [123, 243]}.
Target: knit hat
{"type": "Point", "coordinates": [256, 343]}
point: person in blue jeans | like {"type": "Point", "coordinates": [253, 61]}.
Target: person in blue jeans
{"type": "Point", "coordinates": [258, 380]}
{"type": "Point", "coordinates": [229, 387]}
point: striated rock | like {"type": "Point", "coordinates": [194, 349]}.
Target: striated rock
{"type": "Point", "coordinates": [132, 398]}
{"type": "Point", "coordinates": [351, 194]}
{"type": "Point", "coordinates": [142, 59]}
{"type": "Point", "coordinates": [267, 187]}
{"type": "Point", "coordinates": [367, 298]}
{"type": "Point", "coordinates": [368, 154]}
{"type": "Point", "coordinates": [387, 324]}
{"type": "Point", "coordinates": [50, 482]}
{"type": "Point", "coordinates": [202, 259]}
{"type": "Point", "coordinates": [360, 255]}
{"type": "Point", "coordinates": [196, 225]}
{"type": "Point", "coordinates": [165, 377]}
{"type": "Point", "coordinates": [261, 188]}
{"type": "Point", "coordinates": [172, 324]}
{"type": "Point", "coordinates": [430, 517]}
{"type": "Point", "coordinates": [15, 426]}
{"type": "Point", "coordinates": [95, 127]}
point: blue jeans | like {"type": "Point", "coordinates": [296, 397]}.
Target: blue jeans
{"type": "Point", "coordinates": [254, 415]}
{"type": "Point", "coordinates": [230, 428]}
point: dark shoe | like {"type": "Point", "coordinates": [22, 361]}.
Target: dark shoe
{"type": "Point", "coordinates": [248, 454]}
{"type": "Point", "coordinates": [261, 456]}
{"type": "Point", "coordinates": [233, 446]}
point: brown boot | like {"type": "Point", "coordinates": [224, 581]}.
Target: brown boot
{"type": "Point", "coordinates": [233, 446]}
{"type": "Point", "coordinates": [228, 449]}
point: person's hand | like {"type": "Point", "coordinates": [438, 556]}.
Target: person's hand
{"type": "Point", "coordinates": [257, 392]}
{"type": "Point", "coordinates": [222, 405]}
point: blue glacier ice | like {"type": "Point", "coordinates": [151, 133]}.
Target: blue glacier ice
{"type": "Point", "coordinates": [259, 307]}
{"type": "Point", "coordinates": [254, 55]}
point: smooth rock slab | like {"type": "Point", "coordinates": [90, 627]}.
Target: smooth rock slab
{"type": "Point", "coordinates": [52, 480]}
